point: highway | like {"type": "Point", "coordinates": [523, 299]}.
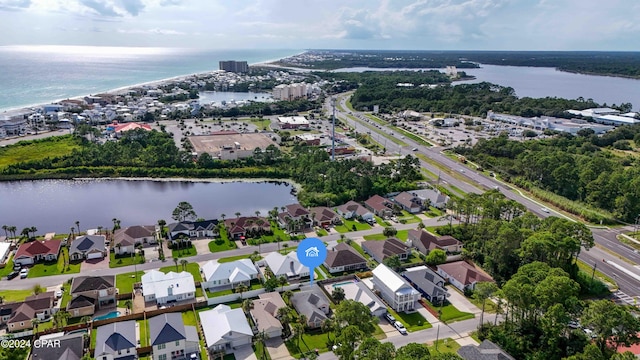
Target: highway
{"type": "Point", "coordinates": [615, 254]}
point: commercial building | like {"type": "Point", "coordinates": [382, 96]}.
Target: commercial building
{"type": "Point", "coordinates": [229, 145]}
{"type": "Point", "coordinates": [293, 122]}
{"type": "Point", "coordinates": [234, 66]}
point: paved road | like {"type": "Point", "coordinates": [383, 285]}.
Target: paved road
{"type": "Point", "coordinates": [476, 182]}
{"type": "Point", "coordinates": [47, 281]}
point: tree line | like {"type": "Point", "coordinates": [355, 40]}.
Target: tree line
{"type": "Point", "coordinates": [142, 153]}
{"type": "Point", "coordinates": [576, 167]}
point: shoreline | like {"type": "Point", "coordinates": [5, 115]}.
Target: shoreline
{"type": "Point", "coordinates": [127, 87]}
{"type": "Point", "coordinates": [293, 184]}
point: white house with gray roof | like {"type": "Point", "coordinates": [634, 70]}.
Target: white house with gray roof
{"type": "Point", "coordinates": [358, 291]}
{"type": "Point", "coordinates": [171, 339]}
{"type": "Point", "coordinates": [170, 287]}
{"type": "Point", "coordinates": [285, 265]}
{"type": "Point", "coordinates": [395, 290]}
{"type": "Point", "coordinates": [88, 247]}
{"type": "Point", "coordinates": [234, 273]}
{"type": "Point", "coordinates": [116, 341]}
{"type": "Point", "coordinates": [225, 328]}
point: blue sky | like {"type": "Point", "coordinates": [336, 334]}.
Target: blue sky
{"type": "Point", "coordinates": [347, 24]}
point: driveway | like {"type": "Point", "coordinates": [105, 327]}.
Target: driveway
{"type": "Point", "coordinates": [244, 352]}
{"type": "Point", "coordinates": [202, 246]}
{"type": "Point", "coordinates": [460, 302]}
{"type": "Point", "coordinates": [95, 264]}
{"type": "Point", "coordinates": [277, 349]}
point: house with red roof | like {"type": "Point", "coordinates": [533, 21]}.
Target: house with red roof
{"type": "Point", "coordinates": [295, 213]}
{"type": "Point", "coordinates": [425, 242]}
{"type": "Point", "coordinates": [241, 227]}
{"type": "Point", "coordinates": [380, 206]}
{"type": "Point", "coordinates": [32, 252]}
{"type": "Point", "coordinates": [118, 129]}
{"type": "Point", "coordinates": [323, 216]}
{"type": "Point", "coordinates": [463, 275]}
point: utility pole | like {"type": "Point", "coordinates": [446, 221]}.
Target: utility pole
{"type": "Point", "coordinates": [333, 130]}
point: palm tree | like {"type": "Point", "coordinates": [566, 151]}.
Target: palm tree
{"type": "Point", "coordinates": [12, 229]}
{"type": "Point", "coordinates": [100, 230]}
{"type": "Point", "coordinates": [85, 319]}
{"type": "Point", "coordinates": [282, 280]}
{"type": "Point", "coordinates": [61, 318]}
{"type": "Point", "coordinates": [247, 305]}
{"type": "Point", "coordinates": [161, 224]}
{"type": "Point", "coordinates": [259, 339]}
{"type": "Point", "coordinates": [238, 214]}
{"type": "Point", "coordinates": [33, 231]}
{"type": "Point", "coordinates": [128, 304]}
{"type": "Point", "coordinates": [5, 228]}
{"type": "Point", "coordinates": [268, 273]}
{"type": "Point", "coordinates": [78, 226]}
{"type": "Point", "coordinates": [327, 327]}
{"type": "Point", "coordinates": [35, 322]}
{"type": "Point", "coordinates": [298, 331]}
{"type": "Point", "coordinates": [257, 213]}
{"type": "Point", "coordinates": [184, 263]}
{"type": "Point", "coordinates": [72, 229]}
{"type": "Point", "coordinates": [284, 315]}
{"type": "Point", "coordinates": [286, 296]}
{"type": "Point", "coordinates": [222, 216]}
{"type": "Point", "coordinates": [114, 220]}
{"type": "Point", "coordinates": [278, 239]}
{"type": "Point", "coordinates": [241, 288]}
{"type": "Point", "coordinates": [175, 260]}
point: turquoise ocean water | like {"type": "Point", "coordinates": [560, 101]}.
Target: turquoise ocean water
{"type": "Point", "coordinates": [32, 75]}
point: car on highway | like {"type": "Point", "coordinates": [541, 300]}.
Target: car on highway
{"type": "Point", "coordinates": [23, 273]}
{"type": "Point", "coordinates": [414, 149]}
{"type": "Point", "coordinates": [544, 209]}
{"type": "Point", "coordinates": [398, 325]}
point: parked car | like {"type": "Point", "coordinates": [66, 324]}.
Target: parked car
{"type": "Point", "coordinates": [58, 294]}
{"type": "Point", "coordinates": [400, 327]}
{"type": "Point", "coordinates": [23, 273]}
{"type": "Point", "coordinates": [390, 318]}
{"type": "Point", "coordinates": [12, 275]}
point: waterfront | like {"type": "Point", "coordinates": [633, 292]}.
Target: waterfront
{"type": "Point", "coordinates": [539, 82]}
{"type": "Point", "coordinates": [55, 205]}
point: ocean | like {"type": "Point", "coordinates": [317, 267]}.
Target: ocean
{"type": "Point", "coordinates": [42, 74]}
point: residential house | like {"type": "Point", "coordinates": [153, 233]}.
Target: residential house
{"type": "Point", "coordinates": [424, 242]}
{"type": "Point", "coordinates": [380, 206]}
{"type": "Point", "coordinates": [408, 202]}
{"type": "Point", "coordinates": [395, 290]}
{"type": "Point", "coordinates": [430, 284]}
{"type": "Point", "coordinates": [323, 216]}
{"type": "Point", "coordinates": [34, 251]}
{"type": "Point", "coordinates": [313, 304]}
{"type": "Point", "coordinates": [88, 247]}
{"type": "Point", "coordinates": [463, 275]}
{"type": "Point", "coordinates": [5, 249]}
{"type": "Point", "coordinates": [116, 341]}
{"type": "Point", "coordinates": [193, 229]}
{"type": "Point", "coordinates": [225, 328]}
{"type": "Point", "coordinates": [432, 197]}
{"type": "Point", "coordinates": [358, 291]}
{"type": "Point", "coordinates": [171, 339]}
{"type": "Point", "coordinates": [90, 293]}
{"type": "Point", "coordinates": [234, 273]}
{"type": "Point", "coordinates": [353, 210]}
{"type": "Point", "coordinates": [126, 239]}
{"type": "Point", "coordinates": [242, 227]}
{"type": "Point", "coordinates": [285, 265]}
{"type": "Point", "coordinates": [22, 313]}
{"type": "Point", "coordinates": [167, 288]}
{"type": "Point", "coordinates": [343, 257]}
{"type": "Point", "coordinates": [66, 347]}
{"type": "Point", "coordinates": [296, 214]}
{"type": "Point", "coordinates": [487, 350]}
{"type": "Point", "coordinates": [264, 312]}
{"type": "Point", "coordinates": [380, 250]}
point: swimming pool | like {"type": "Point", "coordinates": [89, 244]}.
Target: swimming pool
{"type": "Point", "coordinates": [337, 285]}
{"type": "Point", "coordinates": [110, 315]}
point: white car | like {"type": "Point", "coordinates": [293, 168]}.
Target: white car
{"type": "Point", "coordinates": [23, 273]}
{"type": "Point", "coordinates": [544, 209]}
{"type": "Point", "coordinates": [400, 327]}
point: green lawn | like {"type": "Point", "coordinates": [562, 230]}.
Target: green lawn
{"type": "Point", "coordinates": [221, 245]}
{"type": "Point", "coordinates": [189, 318]}
{"type": "Point", "coordinates": [54, 268]}
{"type": "Point", "coordinates": [192, 268]}
{"type": "Point", "coordinates": [277, 231]}
{"type": "Point", "coordinates": [379, 333]}
{"type": "Point", "coordinates": [433, 212]}
{"type": "Point", "coordinates": [489, 306]}
{"type": "Point", "coordinates": [451, 314]}
{"type": "Point", "coordinates": [322, 232]}
{"type": "Point", "coordinates": [382, 222]}
{"type": "Point", "coordinates": [402, 235]}
{"type": "Point", "coordinates": [413, 258]}
{"type": "Point", "coordinates": [55, 146]}
{"type": "Point", "coordinates": [347, 226]}
{"type": "Point", "coordinates": [318, 274]}
{"type": "Point", "coordinates": [359, 249]}
{"type": "Point", "coordinates": [408, 218]}
{"type": "Point", "coordinates": [8, 267]}
{"type": "Point", "coordinates": [125, 281]}
{"type": "Point", "coordinates": [191, 251]}
{"type": "Point", "coordinates": [261, 351]}
{"type": "Point", "coordinates": [413, 322]}
{"type": "Point", "coordinates": [237, 257]}
{"type": "Point", "coordinates": [445, 346]}
{"type": "Point", "coordinates": [255, 285]}
{"type": "Point", "coordinates": [308, 343]}
{"type": "Point", "coordinates": [144, 339]}
{"type": "Point", "coordinates": [66, 297]}
{"type": "Point", "coordinates": [124, 260]}
{"type": "Point", "coordinates": [14, 295]}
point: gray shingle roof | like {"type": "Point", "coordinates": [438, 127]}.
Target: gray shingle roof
{"type": "Point", "coordinates": [71, 348]}
{"type": "Point", "coordinates": [166, 328]}
{"type": "Point", "coordinates": [88, 283]}
{"type": "Point", "coordinates": [115, 336]}
{"type": "Point", "coordinates": [487, 350]}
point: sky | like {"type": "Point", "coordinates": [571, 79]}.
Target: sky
{"type": "Point", "coordinates": [326, 24]}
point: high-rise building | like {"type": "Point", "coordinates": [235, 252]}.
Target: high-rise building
{"type": "Point", "coordinates": [234, 66]}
